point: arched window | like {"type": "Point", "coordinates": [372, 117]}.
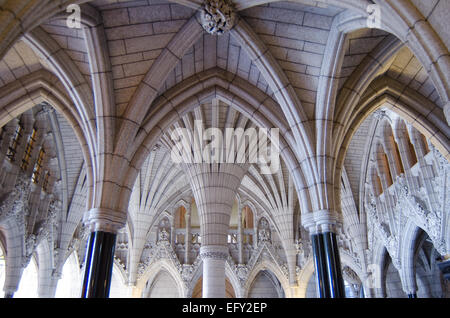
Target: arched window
{"type": "Point", "coordinates": [180, 223]}
{"type": "Point", "coordinates": [247, 225]}
{"type": "Point", "coordinates": [29, 150]}
{"type": "Point", "coordinates": [376, 182]}
{"type": "Point", "coordinates": [425, 144]}
{"type": "Point", "coordinates": [398, 159]}
{"type": "Point", "coordinates": [38, 166]}
{"type": "Point", "coordinates": [412, 150]}
{"type": "Point", "coordinates": [15, 142]}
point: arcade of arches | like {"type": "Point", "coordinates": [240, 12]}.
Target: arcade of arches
{"type": "Point", "coordinates": [353, 97]}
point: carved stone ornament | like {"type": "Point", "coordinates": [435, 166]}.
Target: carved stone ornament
{"type": "Point", "coordinates": [213, 255]}
{"type": "Point", "coordinates": [163, 235]}
{"type": "Point", "coordinates": [217, 16]}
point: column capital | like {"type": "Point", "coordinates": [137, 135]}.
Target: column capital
{"type": "Point", "coordinates": [217, 252]}
{"type": "Point", "coordinates": [320, 221]}
{"type": "Point", "coordinates": [105, 220]}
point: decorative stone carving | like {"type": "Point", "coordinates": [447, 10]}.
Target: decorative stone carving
{"type": "Point", "coordinates": [218, 16]}
{"type": "Point", "coordinates": [382, 229]}
{"type": "Point", "coordinates": [163, 235]}
{"type": "Point", "coordinates": [264, 233]}
{"type": "Point", "coordinates": [30, 246]}
{"type": "Point", "coordinates": [350, 276]}
{"type": "Point", "coordinates": [213, 255]}
{"type": "Point", "coordinates": [414, 209]}
{"type": "Point", "coordinates": [15, 203]}
{"type": "Point", "coordinates": [303, 250]}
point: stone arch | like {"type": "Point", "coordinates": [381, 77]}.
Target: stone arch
{"type": "Point", "coordinates": [15, 250]}
{"type": "Point", "coordinates": [152, 272]}
{"type": "Point", "coordinates": [409, 109]}
{"type": "Point", "coordinates": [327, 93]}
{"type": "Point", "coordinates": [273, 268]}
{"type": "Point", "coordinates": [155, 285]}
{"type": "Point", "coordinates": [408, 104]}
{"type": "Point", "coordinates": [376, 269]}
{"type": "Point", "coordinates": [43, 87]}
{"type": "Point", "coordinates": [269, 266]}
{"type": "Point", "coordinates": [187, 95]}
{"type": "Point", "coordinates": [413, 29]}
{"type": "Point", "coordinates": [231, 280]}
{"type": "Point", "coordinates": [348, 260]}
{"type": "Point", "coordinates": [410, 238]}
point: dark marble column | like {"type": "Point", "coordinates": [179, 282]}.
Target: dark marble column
{"type": "Point", "coordinates": [330, 283]}
{"type": "Point", "coordinates": [319, 261]}
{"type": "Point", "coordinates": [99, 264]}
{"type": "Point", "coordinates": [333, 266]}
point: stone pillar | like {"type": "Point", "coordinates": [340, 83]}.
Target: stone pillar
{"type": "Point", "coordinates": [214, 258]}
{"type": "Point", "coordinates": [320, 224]}
{"type": "Point", "coordinates": [214, 188]}
{"type": "Point", "coordinates": [104, 224]}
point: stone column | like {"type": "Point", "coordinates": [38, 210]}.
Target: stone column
{"type": "Point", "coordinates": [214, 187]}
{"type": "Point", "coordinates": [214, 258]}
{"type": "Point", "coordinates": [104, 224]}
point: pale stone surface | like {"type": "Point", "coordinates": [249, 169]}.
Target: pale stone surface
{"type": "Point", "coordinates": [139, 69]}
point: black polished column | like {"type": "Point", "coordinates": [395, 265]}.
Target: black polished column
{"type": "Point", "coordinates": [334, 271]}
{"type": "Point", "coordinates": [330, 283]}
{"type": "Point", "coordinates": [99, 264]}
{"type": "Point", "coordinates": [319, 261]}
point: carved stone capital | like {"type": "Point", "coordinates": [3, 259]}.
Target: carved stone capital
{"type": "Point", "coordinates": [320, 221]}
{"type": "Point", "coordinates": [105, 220]}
